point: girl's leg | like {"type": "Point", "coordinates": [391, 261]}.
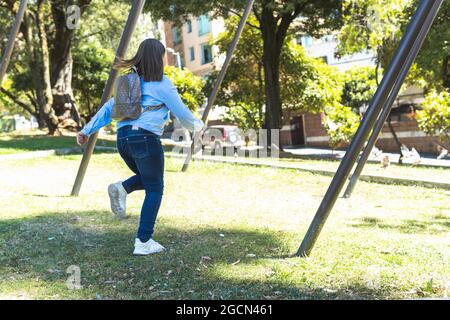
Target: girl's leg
{"type": "Point", "coordinates": [133, 183]}
{"type": "Point", "coordinates": [149, 212]}
{"type": "Point", "coordinates": [150, 165]}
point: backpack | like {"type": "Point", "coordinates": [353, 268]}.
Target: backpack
{"type": "Point", "coordinates": [127, 98]}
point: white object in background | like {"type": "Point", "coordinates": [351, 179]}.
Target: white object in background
{"type": "Point", "coordinates": [415, 156]}
{"type": "Point", "coordinates": [443, 154]}
{"type": "Point", "coordinates": [22, 123]}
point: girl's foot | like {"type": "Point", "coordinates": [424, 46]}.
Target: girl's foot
{"type": "Point", "coordinates": [146, 248]}
{"type": "Point", "coordinates": [118, 197]}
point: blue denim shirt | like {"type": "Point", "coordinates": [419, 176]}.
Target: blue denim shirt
{"type": "Point", "coordinates": [153, 93]}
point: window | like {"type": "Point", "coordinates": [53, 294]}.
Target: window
{"type": "Point", "coordinates": [329, 38]}
{"type": "Point", "coordinates": [176, 36]}
{"type": "Point", "coordinates": [204, 25]}
{"type": "Point", "coordinates": [189, 26]}
{"type": "Point", "coordinates": [192, 53]}
{"type": "Point", "coordinates": [206, 53]}
{"type": "Point", "coordinates": [324, 59]}
{"type": "Point", "coordinates": [307, 41]}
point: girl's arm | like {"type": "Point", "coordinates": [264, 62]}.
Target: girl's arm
{"type": "Point", "coordinates": [101, 119]}
{"type": "Point", "coordinates": [173, 101]}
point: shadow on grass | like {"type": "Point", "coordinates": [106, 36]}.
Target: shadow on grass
{"type": "Point", "coordinates": [43, 142]}
{"type": "Point", "coordinates": [409, 226]}
{"type": "Point", "coordinates": [39, 250]}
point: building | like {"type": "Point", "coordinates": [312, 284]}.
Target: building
{"type": "Point", "coordinates": [192, 41]}
{"type": "Point", "coordinates": [191, 44]}
{"type": "Point", "coordinates": [306, 129]}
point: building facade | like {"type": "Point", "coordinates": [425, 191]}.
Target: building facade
{"type": "Point", "coordinates": [192, 42]}
{"type": "Point", "coordinates": [307, 129]}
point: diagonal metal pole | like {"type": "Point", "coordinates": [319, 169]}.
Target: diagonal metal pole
{"type": "Point", "coordinates": [222, 73]}
{"type": "Point", "coordinates": [367, 124]}
{"type": "Point", "coordinates": [388, 105]}
{"type": "Point", "coordinates": [133, 17]}
{"type": "Point", "coordinates": [12, 37]}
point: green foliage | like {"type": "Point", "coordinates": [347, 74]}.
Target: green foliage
{"type": "Point", "coordinates": [276, 20]}
{"type": "Point", "coordinates": [433, 61]}
{"type": "Point", "coordinates": [91, 67]}
{"type": "Point", "coordinates": [6, 105]}
{"type": "Point", "coordinates": [190, 87]}
{"type": "Point", "coordinates": [307, 84]}
{"type": "Point", "coordinates": [242, 91]}
{"type": "Point", "coordinates": [374, 25]}
{"type": "Point", "coordinates": [379, 25]}
{"type": "Point", "coordinates": [341, 124]}
{"type": "Point", "coordinates": [245, 115]}
{"type": "Point", "coordinates": [359, 87]}
{"type": "Point", "coordinates": [434, 118]}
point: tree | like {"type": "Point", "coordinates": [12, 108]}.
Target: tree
{"type": "Point", "coordinates": [433, 61]}
{"type": "Point", "coordinates": [434, 117]}
{"type": "Point", "coordinates": [276, 19]}
{"type": "Point", "coordinates": [341, 124]}
{"type": "Point", "coordinates": [372, 25]}
{"type": "Point", "coordinates": [189, 86]}
{"type": "Point", "coordinates": [91, 67]}
{"type": "Point", "coordinates": [359, 87]}
{"type": "Point", "coordinates": [380, 24]}
{"type": "Point", "coordinates": [46, 64]}
{"type": "Point", "coordinates": [306, 83]}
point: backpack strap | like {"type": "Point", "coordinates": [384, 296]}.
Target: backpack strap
{"type": "Point", "coordinates": [157, 107]}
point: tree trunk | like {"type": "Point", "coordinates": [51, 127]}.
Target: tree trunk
{"type": "Point", "coordinates": [271, 63]}
{"type": "Point", "coordinates": [46, 105]}
{"type": "Point", "coordinates": [61, 72]}
{"type": "Point", "coordinates": [446, 72]}
{"type": "Point", "coordinates": [46, 114]}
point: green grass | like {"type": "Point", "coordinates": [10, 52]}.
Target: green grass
{"type": "Point", "coordinates": [406, 171]}
{"type": "Point", "coordinates": [37, 140]}
{"type": "Point", "coordinates": [229, 231]}
{"type": "Point", "coordinates": [34, 141]}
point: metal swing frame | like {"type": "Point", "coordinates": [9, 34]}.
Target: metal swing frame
{"type": "Point", "coordinates": [129, 28]}
{"type": "Point", "coordinates": [11, 39]}
{"type": "Point", "coordinates": [379, 108]}
{"type": "Point", "coordinates": [373, 120]}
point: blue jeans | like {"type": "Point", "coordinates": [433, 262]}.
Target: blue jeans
{"type": "Point", "coordinates": [143, 153]}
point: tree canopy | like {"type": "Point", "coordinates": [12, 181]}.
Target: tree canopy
{"type": "Point", "coordinates": [276, 20]}
{"type": "Point", "coordinates": [307, 83]}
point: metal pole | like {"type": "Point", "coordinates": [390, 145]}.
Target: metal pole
{"type": "Point", "coordinates": [179, 60]}
{"type": "Point", "coordinates": [388, 105]}
{"type": "Point", "coordinates": [133, 17]}
{"type": "Point", "coordinates": [366, 125]}
{"type": "Point", "coordinates": [223, 71]}
{"type": "Point", "coordinates": [12, 37]}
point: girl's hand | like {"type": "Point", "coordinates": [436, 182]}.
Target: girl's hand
{"type": "Point", "coordinates": [81, 138]}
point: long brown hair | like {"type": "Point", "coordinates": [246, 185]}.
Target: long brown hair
{"type": "Point", "coordinates": [148, 60]}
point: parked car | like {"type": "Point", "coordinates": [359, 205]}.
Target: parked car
{"type": "Point", "coordinates": [220, 136]}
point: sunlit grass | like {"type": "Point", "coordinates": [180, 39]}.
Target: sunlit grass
{"type": "Point", "coordinates": [229, 231]}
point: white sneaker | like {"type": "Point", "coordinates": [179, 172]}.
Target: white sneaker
{"type": "Point", "coordinates": [118, 197]}
{"type": "Point", "coordinates": [146, 248]}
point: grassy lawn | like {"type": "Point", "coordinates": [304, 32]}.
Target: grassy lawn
{"type": "Point", "coordinates": [394, 170]}
{"type": "Point", "coordinates": [32, 141]}
{"type": "Point", "coordinates": [229, 231]}
{"type": "Point", "coordinates": [36, 140]}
